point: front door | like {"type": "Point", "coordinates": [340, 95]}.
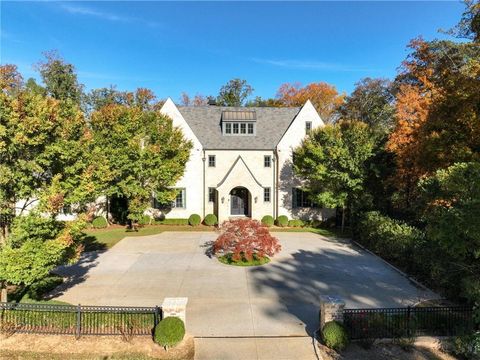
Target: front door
{"type": "Point", "coordinates": [239, 201]}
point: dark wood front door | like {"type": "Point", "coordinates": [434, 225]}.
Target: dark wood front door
{"type": "Point", "coordinates": [239, 201]}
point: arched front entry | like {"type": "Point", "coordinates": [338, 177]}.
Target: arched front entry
{"type": "Point", "coordinates": [240, 201]}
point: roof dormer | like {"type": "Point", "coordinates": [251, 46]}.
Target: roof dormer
{"type": "Point", "coordinates": [239, 122]}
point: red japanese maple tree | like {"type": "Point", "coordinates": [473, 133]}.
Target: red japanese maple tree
{"type": "Point", "coordinates": [245, 238]}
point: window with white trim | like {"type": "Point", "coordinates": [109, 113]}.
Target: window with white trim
{"type": "Point", "coordinates": [180, 199]}
{"type": "Point", "coordinates": [238, 128]}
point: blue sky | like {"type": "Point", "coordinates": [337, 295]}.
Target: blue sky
{"type": "Point", "coordinates": [172, 47]}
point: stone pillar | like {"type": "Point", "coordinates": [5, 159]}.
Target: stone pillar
{"type": "Point", "coordinates": [175, 307]}
{"type": "Point", "coordinates": [331, 308]}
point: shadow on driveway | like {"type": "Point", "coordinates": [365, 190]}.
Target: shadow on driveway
{"type": "Point", "coordinates": [361, 279]}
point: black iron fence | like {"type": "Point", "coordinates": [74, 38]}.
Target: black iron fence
{"type": "Point", "coordinates": [78, 320]}
{"type": "Point", "coordinates": [408, 322]}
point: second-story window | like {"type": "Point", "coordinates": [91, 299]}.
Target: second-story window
{"type": "Point", "coordinates": [228, 128]}
{"type": "Point", "coordinates": [267, 161]}
{"type": "Point", "coordinates": [308, 127]}
{"type": "Point", "coordinates": [211, 161]}
{"type": "Point", "coordinates": [250, 128]}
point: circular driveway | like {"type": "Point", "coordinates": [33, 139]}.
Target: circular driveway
{"type": "Point", "coordinates": [277, 299]}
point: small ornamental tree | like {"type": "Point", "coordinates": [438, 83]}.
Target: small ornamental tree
{"type": "Point", "coordinates": [245, 238]}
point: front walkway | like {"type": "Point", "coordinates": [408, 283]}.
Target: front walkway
{"type": "Point", "coordinates": [276, 300]}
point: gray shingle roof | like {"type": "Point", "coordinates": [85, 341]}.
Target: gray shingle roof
{"type": "Point", "coordinates": [271, 123]}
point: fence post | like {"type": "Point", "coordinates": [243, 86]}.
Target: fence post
{"type": "Point", "coordinates": [409, 310]}
{"type": "Point", "coordinates": [79, 322]}
{"type": "Point", "coordinates": [156, 319]}
{"type": "Point", "coordinates": [331, 309]}
{"type": "Point", "coordinates": [175, 307]}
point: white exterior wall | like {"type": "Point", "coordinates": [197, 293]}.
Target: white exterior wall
{"type": "Point", "coordinates": [291, 139]}
{"type": "Point", "coordinates": [244, 168]}
{"type": "Point", "coordinates": [245, 164]}
{"type": "Point", "coordinates": [192, 179]}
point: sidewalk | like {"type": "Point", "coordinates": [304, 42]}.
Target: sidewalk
{"type": "Point", "coordinates": [276, 348]}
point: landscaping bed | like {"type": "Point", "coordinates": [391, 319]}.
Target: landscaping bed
{"type": "Point", "coordinates": [19, 346]}
{"type": "Point", "coordinates": [386, 351]}
{"type": "Point", "coordinates": [227, 259]}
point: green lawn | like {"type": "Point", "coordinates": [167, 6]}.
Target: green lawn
{"type": "Point", "coordinates": [324, 232]}
{"type": "Point", "coordinates": [102, 239]}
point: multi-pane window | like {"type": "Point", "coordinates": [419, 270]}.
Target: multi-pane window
{"type": "Point", "coordinates": [211, 194]}
{"type": "Point", "coordinates": [243, 128]}
{"type": "Point", "coordinates": [211, 160]}
{"type": "Point", "coordinates": [308, 127]}
{"type": "Point", "coordinates": [266, 194]}
{"type": "Point", "coordinates": [300, 199]}
{"type": "Point", "coordinates": [267, 161]}
{"type": "Point", "coordinates": [238, 128]}
{"type": "Point", "coordinates": [180, 199]}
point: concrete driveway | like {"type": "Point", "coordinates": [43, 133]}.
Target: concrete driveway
{"type": "Point", "coordinates": [278, 299]}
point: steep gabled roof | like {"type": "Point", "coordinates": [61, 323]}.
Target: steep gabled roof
{"type": "Point", "coordinates": [271, 123]}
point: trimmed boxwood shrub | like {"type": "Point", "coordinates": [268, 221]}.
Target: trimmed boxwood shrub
{"type": "Point", "coordinates": [172, 222]}
{"type": "Point", "coordinates": [144, 220]}
{"type": "Point", "coordinates": [194, 220]}
{"type": "Point", "coordinates": [267, 220]}
{"type": "Point", "coordinates": [99, 222]}
{"type": "Point", "coordinates": [282, 221]}
{"type": "Point", "coordinates": [295, 223]}
{"type": "Point", "coordinates": [169, 332]}
{"type": "Point", "coordinates": [210, 220]}
{"type": "Point", "coordinates": [334, 335]}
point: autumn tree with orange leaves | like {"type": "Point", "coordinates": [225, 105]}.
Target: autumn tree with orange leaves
{"type": "Point", "coordinates": [323, 96]}
{"type": "Point", "coordinates": [436, 111]}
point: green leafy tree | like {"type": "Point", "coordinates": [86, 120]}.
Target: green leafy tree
{"type": "Point", "coordinates": [261, 102]}
{"type": "Point", "coordinates": [41, 138]}
{"type": "Point", "coordinates": [372, 103]}
{"type": "Point", "coordinates": [97, 98]}
{"type": "Point", "coordinates": [141, 154]}
{"type": "Point", "coordinates": [452, 196]}
{"type": "Point", "coordinates": [37, 245]}
{"type": "Point", "coordinates": [60, 78]}
{"type": "Point", "coordinates": [32, 87]}
{"type": "Point", "coordinates": [234, 93]}
{"type": "Point", "coordinates": [469, 25]}
{"type": "Point", "coordinates": [331, 160]}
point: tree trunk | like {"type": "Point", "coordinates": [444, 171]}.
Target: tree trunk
{"type": "Point", "coordinates": [343, 219]}
{"type": "Point", "coordinates": [3, 293]}
{"type": "Point", "coordinates": [107, 209]}
{"type": "Point", "coordinates": [5, 231]}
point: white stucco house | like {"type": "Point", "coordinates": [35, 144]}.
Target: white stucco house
{"type": "Point", "coordinates": [241, 161]}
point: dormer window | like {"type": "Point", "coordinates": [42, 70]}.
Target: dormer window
{"type": "Point", "coordinates": [239, 122]}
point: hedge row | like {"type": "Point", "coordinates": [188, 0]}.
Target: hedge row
{"type": "Point", "coordinates": [392, 239]}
